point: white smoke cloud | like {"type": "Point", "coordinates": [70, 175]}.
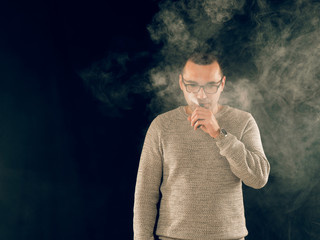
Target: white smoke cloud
{"type": "Point", "coordinates": [274, 73]}
{"type": "Point", "coordinates": [241, 94]}
{"type": "Point", "coordinates": [272, 56]}
{"type": "Point", "coordinates": [221, 11]}
{"type": "Point", "coordinates": [181, 27]}
{"type": "Point", "coordinates": [111, 81]}
{"type": "Point", "coordinates": [287, 60]}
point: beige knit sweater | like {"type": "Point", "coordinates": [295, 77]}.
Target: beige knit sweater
{"type": "Point", "coordinates": [197, 179]}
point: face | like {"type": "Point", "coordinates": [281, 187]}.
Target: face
{"type": "Point", "coordinates": [202, 75]}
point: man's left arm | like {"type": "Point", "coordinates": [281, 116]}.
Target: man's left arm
{"type": "Point", "coordinates": [246, 156]}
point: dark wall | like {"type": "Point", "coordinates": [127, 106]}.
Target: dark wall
{"type": "Point", "coordinates": [70, 144]}
{"type": "Point", "coordinates": [67, 168]}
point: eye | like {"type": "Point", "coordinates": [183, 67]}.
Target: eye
{"type": "Point", "coordinates": [212, 85]}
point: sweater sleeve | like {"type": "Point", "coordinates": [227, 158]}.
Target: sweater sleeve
{"type": "Point", "coordinates": [147, 186]}
{"type": "Point", "coordinates": [246, 156]}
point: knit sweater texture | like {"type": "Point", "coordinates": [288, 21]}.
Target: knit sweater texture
{"type": "Point", "coordinates": [196, 178]}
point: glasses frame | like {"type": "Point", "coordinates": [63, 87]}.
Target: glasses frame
{"type": "Point", "coordinates": [201, 86]}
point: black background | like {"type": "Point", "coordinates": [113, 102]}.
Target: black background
{"type": "Point", "coordinates": [68, 165]}
{"type": "Point", "coordinates": [68, 168]}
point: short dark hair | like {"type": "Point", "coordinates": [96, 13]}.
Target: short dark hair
{"type": "Point", "coordinates": [204, 58]}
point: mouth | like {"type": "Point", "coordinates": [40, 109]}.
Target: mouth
{"type": "Point", "coordinates": [204, 105]}
{"type": "Point", "coordinates": [201, 104]}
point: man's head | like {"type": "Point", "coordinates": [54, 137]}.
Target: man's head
{"type": "Point", "coordinates": [202, 81]}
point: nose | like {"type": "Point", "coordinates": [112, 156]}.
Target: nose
{"type": "Point", "coordinates": [201, 94]}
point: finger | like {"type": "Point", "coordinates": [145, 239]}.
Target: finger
{"type": "Point", "coordinates": [204, 115]}
{"type": "Point", "coordinates": [195, 117]}
{"type": "Point", "coordinates": [200, 113]}
{"type": "Point", "coordinates": [198, 124]}
{"type": "Point", "coordinates": [200, 110]}
{"type": "Point", "coordinates": [195, 120]}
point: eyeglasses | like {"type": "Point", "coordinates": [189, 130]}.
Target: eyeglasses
{"type": "Point", "coordinates": [209, 88]}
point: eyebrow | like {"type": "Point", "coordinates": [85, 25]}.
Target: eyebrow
{"type": "Point", "coordinates": [190, 81]}
{"type": "Point", "coordinates": [194, 82]}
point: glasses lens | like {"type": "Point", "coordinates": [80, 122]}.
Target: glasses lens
{"type": "Point", "coordinates": [211, 89]}
{"type": "Point", "coordinates": [193, 88]}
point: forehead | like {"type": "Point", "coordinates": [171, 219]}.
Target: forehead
{"type": "Point", "coordinates": [202, 73]}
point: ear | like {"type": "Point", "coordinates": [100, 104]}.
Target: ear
{"type": "Point", "coordinates": [180, 82]}
{"type": "Point", "coordinates": [223, 83]}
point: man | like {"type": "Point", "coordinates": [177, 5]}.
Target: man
{"type": "Point", "coordinates": [194, 161]}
